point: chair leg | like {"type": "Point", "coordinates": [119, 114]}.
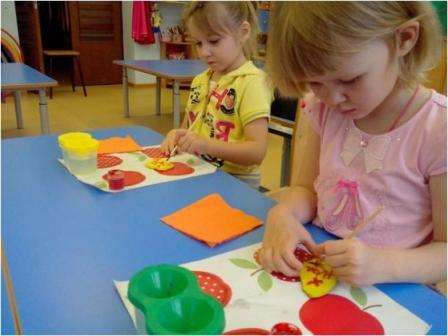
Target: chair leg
{"type": "Point", "coordinates": [81, 76]}
{"type": "Point", "coordinates": [72, 74]}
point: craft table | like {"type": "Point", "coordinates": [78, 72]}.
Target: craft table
{"type": "Point", "coordinates": [19, 76]}
{"type": "Point", "coordinates": [66, 241]}
{"type": "Point", "coordinates": [176, 70]}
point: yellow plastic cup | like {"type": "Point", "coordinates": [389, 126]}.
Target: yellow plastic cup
{"type": "Point", "coordinates": [79, 152]}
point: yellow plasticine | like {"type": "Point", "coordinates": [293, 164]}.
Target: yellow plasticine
{"type": "Point", "coordinates": [159, 164]}
{"type": "Point", "coordinates": [317, 278]}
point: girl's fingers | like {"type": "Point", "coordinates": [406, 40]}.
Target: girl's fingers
{"type": "Point", "coordinates": [291, 260]}
{"type": "Point", "coordinates": [337, 260]}
{"type": "Point", "coordinates": [282, 266]}
{"type": "Point", "coordinates": [343, 271]}
{"type": "Point", "coordinates": [332, 247]}
{"type": "Point", "coordinates": [266, 259]}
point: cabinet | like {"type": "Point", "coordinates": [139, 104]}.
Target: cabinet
{"type": "Point", "coordinates": [177, 50]}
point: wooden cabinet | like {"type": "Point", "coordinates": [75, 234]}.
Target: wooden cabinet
{"type": "Point", "coordinates": [437, 76]}
{"type": "Point", "coordinates": [177, 50]}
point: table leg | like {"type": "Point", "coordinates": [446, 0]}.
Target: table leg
{"type": "Point", "coordinates": [11, 296]}
{"type": "Point", "coordinates": [43, 112]}
{"type": "Point", "coordinates": [286, 158]}
{"type": "Point", "coordinates": [18, 105]}
{"type": "Point", "coordinates": [176, 104]}
{"type": "Point", "coordinates": [125, 93]}
{"type": "Point", "coordinates": [158, 94]}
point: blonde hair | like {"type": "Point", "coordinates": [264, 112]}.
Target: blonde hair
{"type": "Point", "coordinates": [218, 17]}
{"type": "Point", "coordinates": [309, 38]}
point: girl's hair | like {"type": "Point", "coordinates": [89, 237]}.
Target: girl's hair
{"type": "Point", "coordinates": [224, 17]}
{"type": "Point", "coordinates": [309, 38]}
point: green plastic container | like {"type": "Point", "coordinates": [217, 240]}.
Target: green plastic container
{"type": "Point", "coordinates": [169, 301]}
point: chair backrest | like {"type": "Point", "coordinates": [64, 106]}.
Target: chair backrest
{"type": "Point", "coordinates": [11, 51]}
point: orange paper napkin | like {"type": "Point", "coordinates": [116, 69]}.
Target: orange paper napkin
{"type": "Point", "coordinates": [212, 220]}
{"type": "Point", "coordinates": [118, 145]}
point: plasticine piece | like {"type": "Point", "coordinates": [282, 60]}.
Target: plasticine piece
{"type": "Point", "coordinates": [317, 278]}
{"type": "Point", "coordinates": [159, 164]}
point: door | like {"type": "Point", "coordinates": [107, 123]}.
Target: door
{"type": "Point", "coordinates": [29, 33]}
{"type": "Point", "coordinates": [96, 30]}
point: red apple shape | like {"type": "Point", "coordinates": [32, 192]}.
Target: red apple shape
{"type": "Point", "coordinates": [334, 314]}
{"type": "Point", "coordinates": [247, 331]}
{"type": "Point", "coordinates": [285, 328]}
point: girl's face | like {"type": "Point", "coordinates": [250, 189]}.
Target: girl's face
{"type": "Point", "coordinates": [222, 53]}
{"type": "Point", "coordinates": [361, 83]}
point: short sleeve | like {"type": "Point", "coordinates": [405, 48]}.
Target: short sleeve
{"type": "Point", "coordinates": [256, 100]}
{"type": "Point", "coordinates": [316, 111]}
{"type": "Point", "coordinates": [433, 157]}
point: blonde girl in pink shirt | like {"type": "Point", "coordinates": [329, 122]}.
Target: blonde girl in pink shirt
{"type": "Point", "coordinates": [372, 166]}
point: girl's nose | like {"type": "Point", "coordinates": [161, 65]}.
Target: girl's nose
{"type": "Point", "coordinates": [334, 97]}
{"type": "Point", "coordinates": [204, 51]}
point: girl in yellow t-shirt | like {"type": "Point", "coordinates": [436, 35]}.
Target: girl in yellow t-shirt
{"type": "Point", "coordinates": [228, 108]}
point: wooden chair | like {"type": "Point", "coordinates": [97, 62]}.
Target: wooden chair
{"type": "Point", "coordinates": [294, 165]}
{"type": "Point", "coordinates": [12, 53]}
{"type": "Point", "coordinates": [74, 55]}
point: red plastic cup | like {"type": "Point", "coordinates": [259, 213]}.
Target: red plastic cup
{"type": "Point", "coordinates": [116, 179]}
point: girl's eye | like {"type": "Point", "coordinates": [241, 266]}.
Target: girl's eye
{"type": "Point", "coordinates": [198, 44]}
{"type": "Point", "coordinates": [351, 81]}
{"type": "Point", "coordinates": [314, 84]}
{"type": "Point", "coordinates": [213, 42]}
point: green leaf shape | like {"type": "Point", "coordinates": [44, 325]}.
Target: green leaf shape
{"type": "Point", "coordinates": [243, 263]}
{"type": "Point", "coordinates": [190, 161]}
{"type": "Point", "coordinates": [139, 156]}
{"type": "Point", "coordinates": [358, 295]}
{"type": "Point", "coordinates": [265, 281]}
{"type": "Point", "coordinates": [101, 184]}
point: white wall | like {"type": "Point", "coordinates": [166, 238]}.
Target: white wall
{"type": "Point", "coordinates": [171, 14]}
{"type": "Point", "coordinates": [9, 18]}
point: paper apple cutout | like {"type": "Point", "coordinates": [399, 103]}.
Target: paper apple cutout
{"type": "Point", "coordinates": [334, 314]}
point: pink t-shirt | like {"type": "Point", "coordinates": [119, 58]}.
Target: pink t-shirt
{"type": "Point", "coordinates": [360, 172]}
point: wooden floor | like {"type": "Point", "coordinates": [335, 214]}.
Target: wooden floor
{"type": "Point", "coordinates": [103, 108]}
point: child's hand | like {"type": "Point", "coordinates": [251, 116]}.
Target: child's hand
{"type": "Point", "coordinates": [353, 261]}
{"type": "Point", "coordinates": [169, 142]}
{"type": "Point", "coordinates": [283, 233]}
{"type": "Point", "coordinates": [190, 142]}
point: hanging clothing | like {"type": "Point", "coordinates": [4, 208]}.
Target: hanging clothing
{"type": "Point", "coordinates": [141, 23]}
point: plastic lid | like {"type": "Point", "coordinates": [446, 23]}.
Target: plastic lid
{"type": "Point", "coordinates": [63, 138]}
{"type": "Point", "coordinates": [80, 146]}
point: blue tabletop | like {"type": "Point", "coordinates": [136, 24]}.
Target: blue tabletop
{"type": "Point", "coordinates": [7, 321]}
{"type": "Point", "coordinates": [176, 69]}
{"type": "Point", "coordinates": [66, 241]}
{"type": "Point", "coordinates": [19, 75]}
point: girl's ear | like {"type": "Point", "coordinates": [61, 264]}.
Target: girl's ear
{"type": "Point", "coordinates": [406, 37]}
{"type": "Point", "coordinates": [244, 31]}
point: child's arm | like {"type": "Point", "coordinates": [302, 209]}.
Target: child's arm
{"type": "Point", "coordinates": [361, 264]}
{"type": "Point", "coordinates": [297, 205]}
{"type": "Point", "coordinates": [248, 152]}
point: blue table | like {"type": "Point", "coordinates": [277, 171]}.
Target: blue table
{"type": "Point", "coordinates": [176, 70]}
{"type": "Point", "coordinates": [19, 76]}
{"type": "Point", "coordinates": [66, 241]}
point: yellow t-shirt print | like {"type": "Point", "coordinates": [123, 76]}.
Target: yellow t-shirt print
{"type": "Point", "coordinates": [221, 111]}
